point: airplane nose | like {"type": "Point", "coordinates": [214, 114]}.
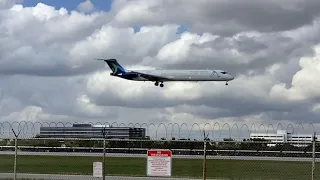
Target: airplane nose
{"type": "Point", "coordinates": [231, 77]}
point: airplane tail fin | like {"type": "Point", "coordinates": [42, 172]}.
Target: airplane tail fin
{"type": "Point", "coordinates": [114, 66]}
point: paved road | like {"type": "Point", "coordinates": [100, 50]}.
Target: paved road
{"type": "Point", "coordinates": [174, 156]}
{"type": "Point", "coordinates": [80, 177]}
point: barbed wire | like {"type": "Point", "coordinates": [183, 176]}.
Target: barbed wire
{"type": "Point", "coordinates": [215, 130]}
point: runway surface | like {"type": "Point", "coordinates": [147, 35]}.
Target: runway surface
{"type": "Point", "coordinates": [174, 156]}
{"type": "Point", "coordinates": [81, 177]}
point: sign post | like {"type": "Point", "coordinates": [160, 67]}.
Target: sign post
{"type": "Point", "coordinates": [159, 163]}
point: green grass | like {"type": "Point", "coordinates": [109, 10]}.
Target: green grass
{"type": "Point", "coordinates": [229, 169]}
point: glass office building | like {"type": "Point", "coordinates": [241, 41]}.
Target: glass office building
{"type": "Point", "coordinates": [92, 131]}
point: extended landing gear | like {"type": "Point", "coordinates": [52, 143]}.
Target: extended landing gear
{"type": "Point", "coordinates": [227, 83]}
{"type": "Point", "coordinates": [157, 83]}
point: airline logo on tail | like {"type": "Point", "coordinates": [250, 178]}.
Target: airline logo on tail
{"type": "Point", "coordinates": [114, 66]}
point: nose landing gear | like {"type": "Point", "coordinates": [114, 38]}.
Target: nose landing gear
{"type": "Point", "coordinates": [226, 83]}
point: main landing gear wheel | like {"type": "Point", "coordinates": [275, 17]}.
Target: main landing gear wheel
{"type": "Point", "coordinates": [157, 84]}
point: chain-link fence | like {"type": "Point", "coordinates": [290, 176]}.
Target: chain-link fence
{"type": "Point", "coordinates": [57, 153]}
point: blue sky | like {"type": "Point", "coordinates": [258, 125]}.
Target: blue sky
{"type": "Point", "coordinates": [70, 4]}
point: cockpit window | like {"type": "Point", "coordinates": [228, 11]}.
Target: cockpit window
{"type": "Point", "coordinates": [224, 72]}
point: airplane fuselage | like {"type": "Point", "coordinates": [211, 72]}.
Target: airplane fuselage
{"type": "Point", "coordinates": [160, 76]}
{"type": "Point", "coordinates": [178, 75]}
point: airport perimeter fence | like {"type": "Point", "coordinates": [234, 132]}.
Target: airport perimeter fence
{"type": "Point", "coordinates": [205, 157]}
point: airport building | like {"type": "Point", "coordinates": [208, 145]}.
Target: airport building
{"type": "Point", "coordinates": [92, 131]}
{"type": "Point", "coordinates": [282, 136]}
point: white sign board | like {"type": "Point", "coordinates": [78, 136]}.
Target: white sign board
{"type": "Point", "coordinates": [97, 169]}
{"type": "Point", "coordinates": [159, 163]}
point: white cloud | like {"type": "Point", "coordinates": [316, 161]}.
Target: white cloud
{"type": "Point", "coordinates": [305, 84]}
{"type": "Point", "coordinates": [86, 106]}
{"type": "Point", "coordinates": [135, 11]}
{"type": "Point", "coordinates": [316, 108]}
{"type": "Point", "coordinates": [86, 6]}
{"type": "Point", "coordinates": [122, 42]}
{"type": "Point", "coordinates": [178, 50]}
{"type": "Point", "coordinates": [30, 113]}
{"type": "Point", "coordinates": [4, 4]}
{"type": "Point", "coordinates": [218, 16]}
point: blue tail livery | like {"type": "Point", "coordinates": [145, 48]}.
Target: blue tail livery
{"type": "Point", "coordinates": [114, 66]}
{"type": "Point", "coordinates": [160, 76]}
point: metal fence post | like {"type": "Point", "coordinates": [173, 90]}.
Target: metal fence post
{"type": "Point", "coordinates": [15, 154]}
{"type": "Point", "coordinates": [313, 154]}
{"type": "Point", "coordinates": [104, 155]}
{"type": "Point", "coordinates": [205, 156]}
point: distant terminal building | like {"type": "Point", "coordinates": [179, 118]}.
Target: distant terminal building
{"type": "Point", "coordinates": [92, 131]}
{"type": "Point", "coordinates": [282, 136]}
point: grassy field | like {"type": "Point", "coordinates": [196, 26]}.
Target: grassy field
{"type": "Point", "coordinates": [229, 169]}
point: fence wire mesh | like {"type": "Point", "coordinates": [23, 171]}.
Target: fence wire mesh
{"type": "Point", "coordinates": [216, 130]}
{"type": "Point", "coordinates": [218, 155]}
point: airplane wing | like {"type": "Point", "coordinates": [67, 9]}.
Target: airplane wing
{"type": "Point", "coordinates": [153, 77]}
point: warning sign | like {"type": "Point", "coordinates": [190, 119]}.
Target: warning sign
{"type": "Point", "coordinates": [97, 169]}
{"type": "Point", "coordinates": [159, 163]}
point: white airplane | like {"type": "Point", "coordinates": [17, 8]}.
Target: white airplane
{"type": "Point", "coordinates": [160, 76]}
